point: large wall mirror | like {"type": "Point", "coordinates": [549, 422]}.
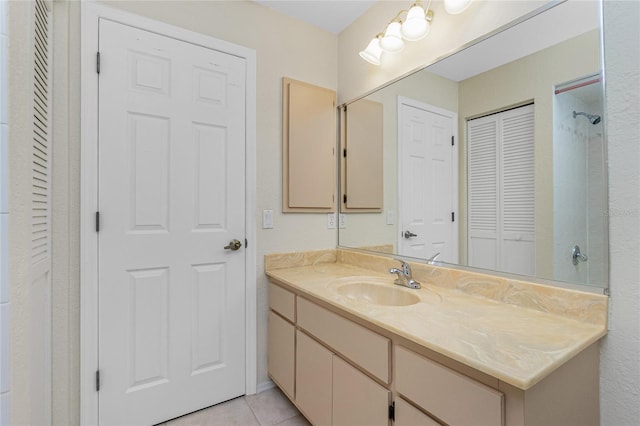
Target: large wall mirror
{"type": "Point", "coordinates": [493, 157]}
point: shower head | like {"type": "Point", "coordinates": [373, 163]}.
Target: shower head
{"type": "Point", "coordinates": [593, 118]}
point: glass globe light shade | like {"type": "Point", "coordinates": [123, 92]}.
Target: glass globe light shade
{"type": "Point", "coordinates": [392, 42]}
{"type": "Point", "coordinates": [454, 7]}
{"type": "Point", "coordinates": [416, 26]}
{"type": "Point", "coordinates": [373, 52]}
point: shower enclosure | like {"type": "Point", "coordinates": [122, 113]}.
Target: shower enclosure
{"type": "Point", "coordinates": [579, 222]}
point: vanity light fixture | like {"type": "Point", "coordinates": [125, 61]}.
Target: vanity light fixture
{"type": "Point", "coordinates": [416, 26]}
{"type": "Point", "coordinates": [373, 52]}
{"type": "Point", "coordinates": [454, 7]}
{"type": "Point", "coordinates": [418, 23]}
{"type": "Point", "coordinates": [392, 42]}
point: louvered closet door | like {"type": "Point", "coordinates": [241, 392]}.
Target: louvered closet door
{"type": "Point", "coordinates": [483, 192]}
{"type": "Point", "coordinates": [501, 197]}
{"type": "Point", "coordinates": [40, 291]}
{"type": "Point", "coordinates": [517, 194]}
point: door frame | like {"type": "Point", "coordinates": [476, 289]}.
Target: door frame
{"type": "Point", "coordinates": [403, 100]}
{"type": "Point", "coordinates": [91, 12]}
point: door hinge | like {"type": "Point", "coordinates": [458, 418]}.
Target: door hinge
{"type": "Point", "coordinates": [392, 411]}
{"type": "Point", "coordinates": [452, 143]}
{"type": "Point", "coordinates": [97, 380]}
{"type": "Point", "coordinates": [344, 108]}
{"type": "Point", "coordinates": [344, 198]}
{"type": "Point", "coordinates": [98, 62]}
{"type": "Point", "coordinates": [453, 217]}
{"type": "Point", "coordinates": [97, 221]}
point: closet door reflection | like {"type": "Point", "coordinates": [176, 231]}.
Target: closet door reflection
{"type": "Point", "coordinates": [501, 219]}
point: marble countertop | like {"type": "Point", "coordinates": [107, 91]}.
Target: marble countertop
{"type": "Point", "coordinates": [515, 344]}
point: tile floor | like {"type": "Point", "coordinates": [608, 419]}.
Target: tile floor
{"type": "Point", "coordinates": [268, 408]}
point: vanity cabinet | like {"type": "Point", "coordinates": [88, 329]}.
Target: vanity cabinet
{"type": "Point", "coordinates": [339, 369]}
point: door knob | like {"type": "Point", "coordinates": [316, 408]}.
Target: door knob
{"type": "Point", "coordinates": [233, 245]}
{"type": "Point", "coordinates": [409, 234]}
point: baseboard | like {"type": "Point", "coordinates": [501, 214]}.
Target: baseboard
{"type": "Point", "coordinates": [265, 386]}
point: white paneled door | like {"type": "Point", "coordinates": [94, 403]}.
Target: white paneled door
{"type": "Point", "coordinates": [428, 187]}
{"type": "Point", "coordinates": [171, 197]}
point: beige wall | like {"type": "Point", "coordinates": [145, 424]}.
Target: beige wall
{"type": "Point", "coordinates": [528, 79]}
{"type": "Point", "coordinates": [22, 333]}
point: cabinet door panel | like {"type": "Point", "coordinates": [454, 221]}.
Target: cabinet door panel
{"type": "Point", "coordinates": [407, 415]}
{"type": "Point", "coordinates": [309, 140]}
{"type": "Point", "coordinates": [313, 379]}
{"type": "Point", "coordinates": [357, 399]}
{"type": "Point", "coordinates": [281, 352]}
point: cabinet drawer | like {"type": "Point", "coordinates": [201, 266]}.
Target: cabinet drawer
{"type": "Point", "coordinates": [282, 301]}
{"type": "Point", "coordinates": [364, 347]}
{"type": "Point", "coordinates": [447, 394]}
{"type": "Point", "coordinates": [281, 352]}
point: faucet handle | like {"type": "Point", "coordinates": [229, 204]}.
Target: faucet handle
{"type": "Point", "coordinates": [406, 269]}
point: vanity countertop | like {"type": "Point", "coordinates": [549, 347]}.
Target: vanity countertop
{"type": "Point", "coordinates": [517, 345]}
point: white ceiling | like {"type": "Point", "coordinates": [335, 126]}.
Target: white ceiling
{"type": "Point", "coordinates": [330, 15]}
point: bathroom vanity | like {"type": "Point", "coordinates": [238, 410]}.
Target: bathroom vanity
{"type": "Point", "coordinates": [348, 347]}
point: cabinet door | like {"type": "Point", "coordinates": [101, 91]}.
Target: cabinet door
{"type": "Point", "coordinates": [407, 415]}
{"type": "Point", "coordinates": [313, 379]}
{"type": "Point", "coordinates": [308, 143]}
{"type": "Point", "coordinates": [362, 157]}
{"type": "Point", "coordinates": [281, 353]}
{"type": "Point", "coordinates": [357, 399]}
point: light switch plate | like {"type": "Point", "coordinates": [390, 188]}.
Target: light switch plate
{"type": "Point", "coordinates": [331, 221]}
{"type": "Point", "coordinates": [267, 219]}
{"type": "Point", "coordinates": [390, 217]}
{"type": "Point", "coordinates": [342, 220]}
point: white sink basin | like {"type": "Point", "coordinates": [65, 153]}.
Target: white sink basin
{"type": "Point", "coordinates": [378, 294]}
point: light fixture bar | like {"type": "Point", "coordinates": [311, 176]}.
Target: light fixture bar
{"type": "Point", "coordinates": [416, 26]}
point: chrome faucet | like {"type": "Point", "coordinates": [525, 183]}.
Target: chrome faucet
{"type": "Point", "coordinates": [432, 259]}
{"type": "Point", "coordinates": [404, 276]}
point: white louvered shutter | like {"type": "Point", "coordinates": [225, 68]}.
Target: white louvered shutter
{"type": "Point", "coordinates": [501, 200]}
{"type": "Point", "coordinates": [517, 194]}
{"type": "Point", "coordinates": [483, 192]}
{"type": "Point", "coordinates": [41, 174]}
{"type": "Point", "coordinates": [40, 271]}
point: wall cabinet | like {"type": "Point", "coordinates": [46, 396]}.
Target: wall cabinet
{"type": "Point", "coordinates": [339, 371]}
{"type": "Point", "coordinates": [308, 147]}
{"type": "Point", "coordinates": [361, 157]}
